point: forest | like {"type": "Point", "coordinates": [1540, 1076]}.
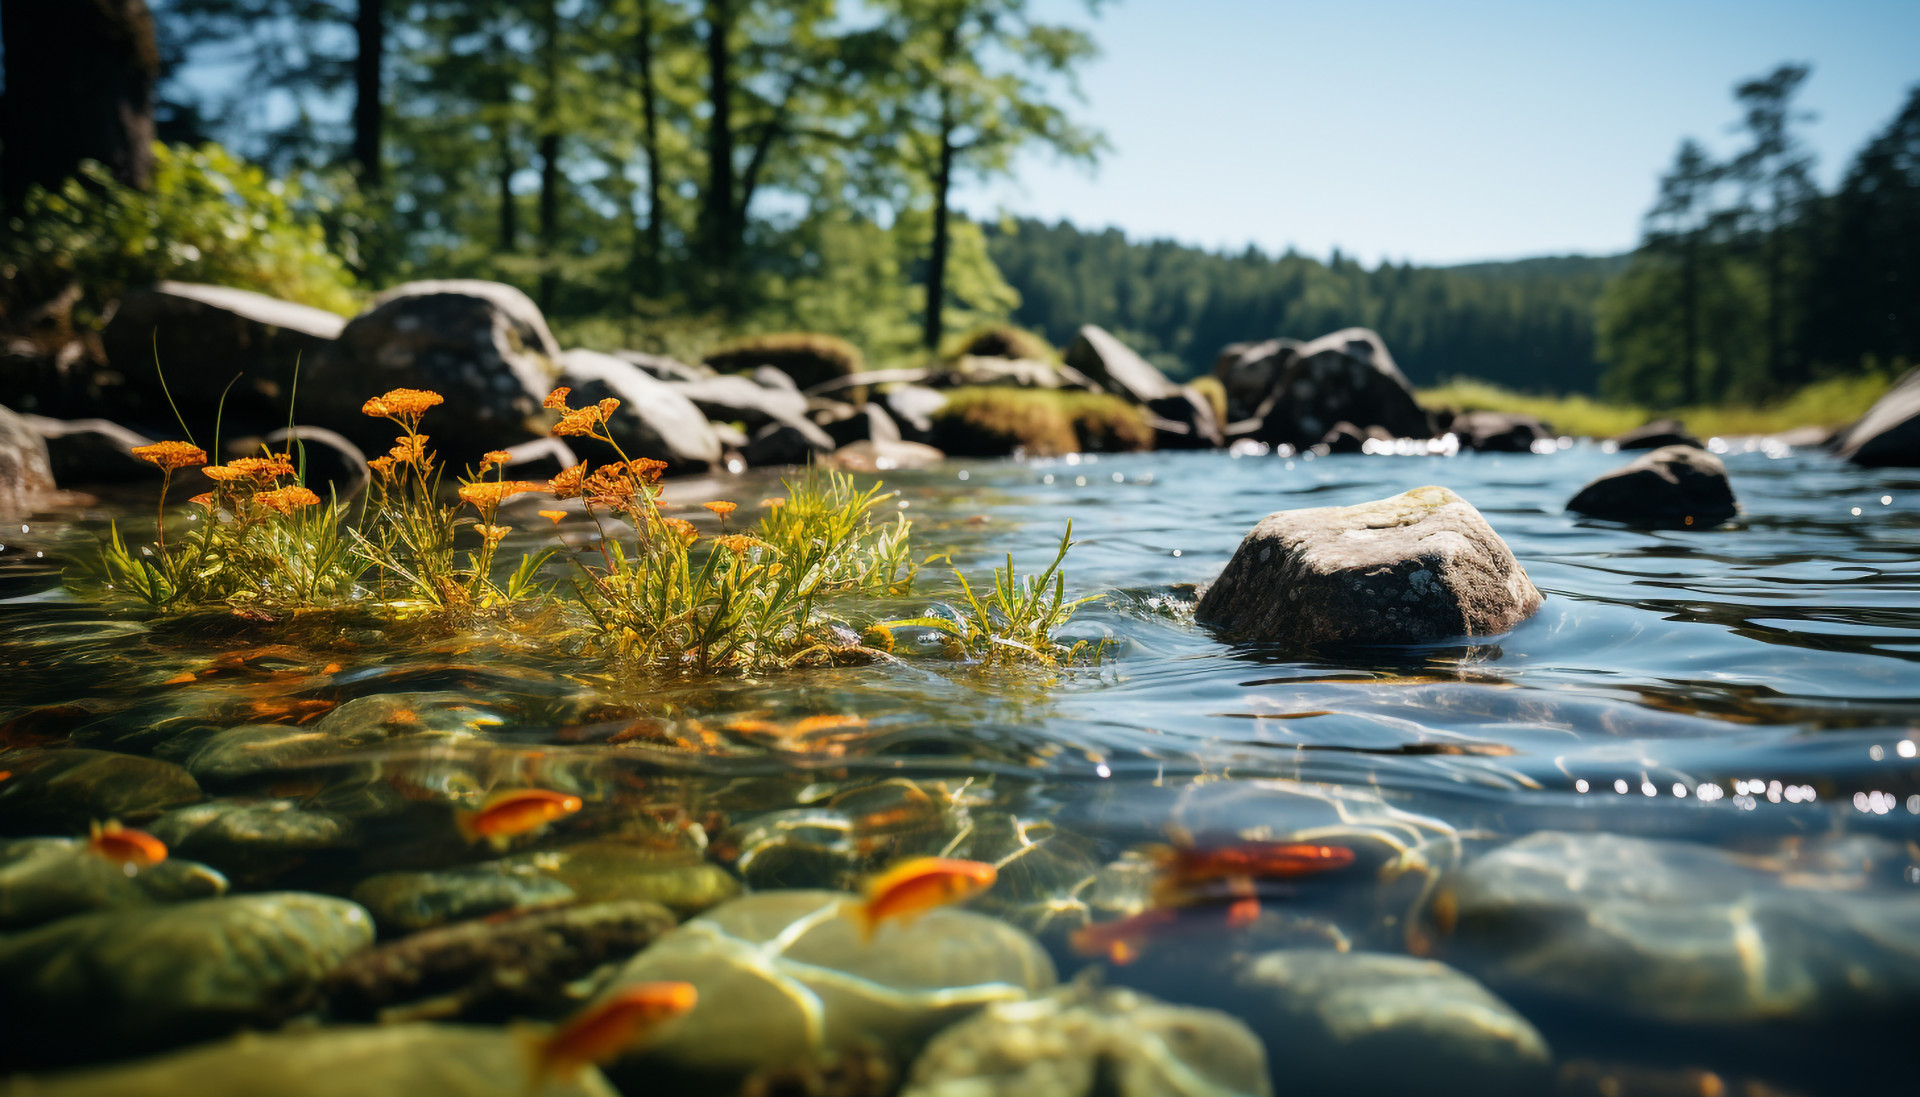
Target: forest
{"type": "Point", "coordinates": [666, 174]}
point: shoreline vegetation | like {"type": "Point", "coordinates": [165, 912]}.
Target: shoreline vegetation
{"type": "Point", "coordinates": [1829, 404]}
{"type": "Point", "coordinates": [649, 588]}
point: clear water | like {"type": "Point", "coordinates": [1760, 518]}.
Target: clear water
{"type": "Point", "coordinates": [1754, 688]}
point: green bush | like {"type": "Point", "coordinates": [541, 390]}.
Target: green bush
{"type": "Point", "coordinates": [209, 217]}
{"type": "Point", "coordinates": [992, 421]}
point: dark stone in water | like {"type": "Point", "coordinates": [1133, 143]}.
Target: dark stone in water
{"type": "Point", "coordinates": [492, 970]}
{"type": "Point", "coordinates": [46, 878]}
{"type": "Point", "coordinates": [128, 980]}
{"type": "Point", "coordinates": [409, 901]}
{"type": "Point", "coordinates": [1419, 567]}
{"type": "Point", "coordinates": [1674, 487]}
{"type": "Point", "coordinates": [1498, 432]}
{"type": "Point", "coordinates": [1657, 434]}
{"type": "Point", "coordinates": [1889, 433]}
{"type": "Point", "coordinates": [66, 789]}
{"type": "Point", "coordinates": [262, 837]}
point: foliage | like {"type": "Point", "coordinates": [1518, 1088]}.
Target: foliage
{"type": "Point", "coordinates": [1017, 621]}
{"type": "Point", "coordinates": [207, 218]}
{"type": "Point", "coordinates": [1214, 392]}
{"type": "Point", "coordinates": [1528, 323]}
{"type": "Point", "coordinates": [991, 421]}
{"type": "Point", "coordinates": [1829, 403]}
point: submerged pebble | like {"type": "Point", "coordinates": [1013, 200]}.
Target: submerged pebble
{"type": "Point", "coordinates": [46, 878]}
{"type": "Point", "coordinates": [67, 789]}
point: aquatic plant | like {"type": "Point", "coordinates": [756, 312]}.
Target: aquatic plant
{"type": "Point", "coordinates": [1015, 622]}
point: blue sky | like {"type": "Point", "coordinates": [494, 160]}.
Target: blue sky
{"type": "Point", "coordinates": [1438, 132]}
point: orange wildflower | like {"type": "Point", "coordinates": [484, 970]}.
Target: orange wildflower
{"type": "Point", "coordinates": [204, 499]}
{"type": "Point", "coordinates": [612, 486]}
{"type": "Point", "coordinates": [493, 535]}
{"type": "Point", "coordinates": [286, 500]}
{"type": "Point", "coordinates": [773, 504]}
{"type": "Point", "coordinates": [557, 398]}
{"type": "Point", "coordinates": [722, 508]}
{"type": "Point", "coordinates": [382, 465]}
{"type": "Point", "coordinates": [568, 483]}
{"type": "Point", "coordinates": [494, 457]}
{"type": "Point", "coordinates": [224, 474]}
{"type": "Point", "coordinates": [608, 407]}
{"type": "Point", "coordinates": [172, 455]}
{"type": "Point", "coordinates": [400, 403]}
{"type": "Point", "coordinates": [681, 528]}
{"type": "Point", "coordinates": [648, 469]}
{"type": "Point", "coordinates": [579, 423]}
{"type": "Point", "coordinates": [409, 449]}
{"type": "Point", "coordinates": [554, 515]}
{"type": "Point", "coordinates": [266, 469]}
{"type": "Point", "coordinates": [738, 543]}
{"type": "Point", "coordinates": [489, 493]}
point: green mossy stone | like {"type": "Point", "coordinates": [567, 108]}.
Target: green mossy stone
{"type": "Point", "coordinates": [46, 878]}
{"type": "Point", "coordinates": [1083, 1042]}
{"type": "Point", "coordinates": [68, 788]}
{"type": "Point", "coordinates": [610, 870]}
{"type": "Point", "coordinates": [251, 834]}
{"type": "Point", "coordinates": [382, 1061]}
{"type": "Point", "coordinates": [409, 901]}
{"type": "Point", "coordinates": [784, 978]}
{"type": "Point", "coordinates": [152, 976]}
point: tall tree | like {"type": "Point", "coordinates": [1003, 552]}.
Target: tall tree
{"type": "Point", "coordinates": [975, 81]}
{"type": "Point", "coordinates": [1867, 287]}
{"type": "Point", "coordinates": [717, 205]}
{"type": "Point", "coordinates": [80, 77]}
{"type": "Point", "coordinates": [649, 266]}
{"type": "Point", "coordinates": [1775, 170]}
{"type": "Point", "coordinates": [369, 112]}
{"type": "Point", "coordinates": [1677, 228]}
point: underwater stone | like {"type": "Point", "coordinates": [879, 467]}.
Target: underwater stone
{"type": "Point", "coordinates": [252, 750]}
{"type": "Point", "coordinates": [349, 1061]}
{"type": "Point", "coordinates": [1674, 487]}
{"type": "Point", "coordinates": [1682, 932]}
{"type": "Point", "coordinates": [151, 976]}
{"type": "Point", "coordinates": [409, 901]}
{"type": "Point", "coordinates": [784, 978]}
{"type": "Point", "coordinates": [1367, 1023]}
{"type": "Point", "coordinates": [1419, 567]}
{"type": "Point", "coordinates": [1079, 1042]}
{"type": "Point", "coordinates": [608, 870]}
{"type": "Point", "coordinates": [487, 969]}
{"type": "Point", "coordinates": [251, 834]}
{"type": "Point", "coordinates": [46, 878]}
{"type": "Point", "coordinates": [68, 788]}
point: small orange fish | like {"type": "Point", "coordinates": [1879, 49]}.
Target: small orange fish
{"type": "Point", "coordinates": [1122, 941]}
{"type": "Point", "coordinates": [911, 888]}
{"type": "Point", "coordinates": [126, 846]}
{"type": "Point", "coordinates": [1184, 867]}
{"type": "Point", "coordinates": [507, 815]}
{"type": "Point", "coordinates": [601, 1032]}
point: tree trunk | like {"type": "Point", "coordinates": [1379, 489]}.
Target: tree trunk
{"type": "Point", "coordinates": [937, 260]}
{"type": "Point", "coordinates": [719, 205]}
{"type": "Point", "coordinates": [509, 210]}
{"type": "Point", "coordinates": [80, 79]}
{"type": "Point", "coordinates": [370, 25]}
{"type": "Point", "coordinates": [1690, 320]}
{"type": "Point", "coordinates": [549, 147]}
{"type": "Point", "coordinates": [655, 238]}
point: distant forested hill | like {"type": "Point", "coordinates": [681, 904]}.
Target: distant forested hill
{"type": "Point", "coordinates": [1526, 324]}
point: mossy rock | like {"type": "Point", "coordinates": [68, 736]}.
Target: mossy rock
{"type": "Point", "coordinates": [808, 357]}
{"type": "Point", "coordinates": [1001, 341]}
{"type": "Point", "coordinates": [995, 422]}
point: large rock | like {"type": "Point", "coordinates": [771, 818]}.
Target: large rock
{"type": "Point", "coordinates": [1499, 431]}
{"type": "Point", "coordinates": [148, 977]}
{"type": "Point", "coordinates": [482, 345]}
{"type": "Point", "coordinates": [784, 978]}
{"type": "Point", "coordinates": [1889, 433]}
{"type": "Point", "coordinates": [1024, 373]}
{"type": "Point", "coordinates": [92, 451]}
{"type": "Point", "coordinates": [846, 424]}
{"type": "Point", "coordinates": [730, 399]}
{"type": "Point", "coordinates": [343, 1061]}
{"type": "Point", "coordinates": [26, 470]}
{"type": "Point", "coordinates": [913, 408]}
{"type": "Point", "coordinates": [1376, 1023]}
{"type": "Point", "coordinates": [1248, 372]}
{"type": "Point", "coordinates": [885, 456]}
{"type": "Point", "coordinates": [410, 901]}
{"type": "Point", "coordinates": [1185, 420]}
{"type": "Point", "coordinates": [808, 358]}
{"type": "Point", "coordinates": [1680, 932]}
{"type": "Point", "coordinates": [788, 442]}
{"type": "Point", "coordinates": [1673, 487]}
{"type": "Point", "coordinates": [65, 789]}
{"type": "Point", "coordinates": [204, 335]}
{"type": "Point", "coordinates": [253, 836]}
{"type": "Point", "coordinates": [654, 419]}
{"type": "Point", "coordinates": [1083, 1042]}
{"type": "Point", "coordinates": [660, 367]}
{"type": "Point", "coordinates": [1656, 433]}
{"type": "Point", "coordinates": [1348, 375]}
{"type": "Point", "coordinates": [1116, 368]}
{"type": "Point", "coordinates": [1419, 567]}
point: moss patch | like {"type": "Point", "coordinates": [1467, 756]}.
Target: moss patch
{"type": "Point", "coordinates": [995, 421]}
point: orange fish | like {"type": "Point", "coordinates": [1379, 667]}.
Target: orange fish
{"type": "Point", "coordinates": [1265, 860]}
{"type": "Point", "coordinates": [1124, 940]}
{"type": "Point", "coordinates": [911, 888]}
{"type": "Point", "coordinates": [601, 1032]}
{"type": "Point", "coordinates": [507, 815]}
{"type": "Point", "coordinates": [126, 846]}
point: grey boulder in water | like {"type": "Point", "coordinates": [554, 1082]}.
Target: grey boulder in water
{"type": "Point", "coordinates": [1419, 567]}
